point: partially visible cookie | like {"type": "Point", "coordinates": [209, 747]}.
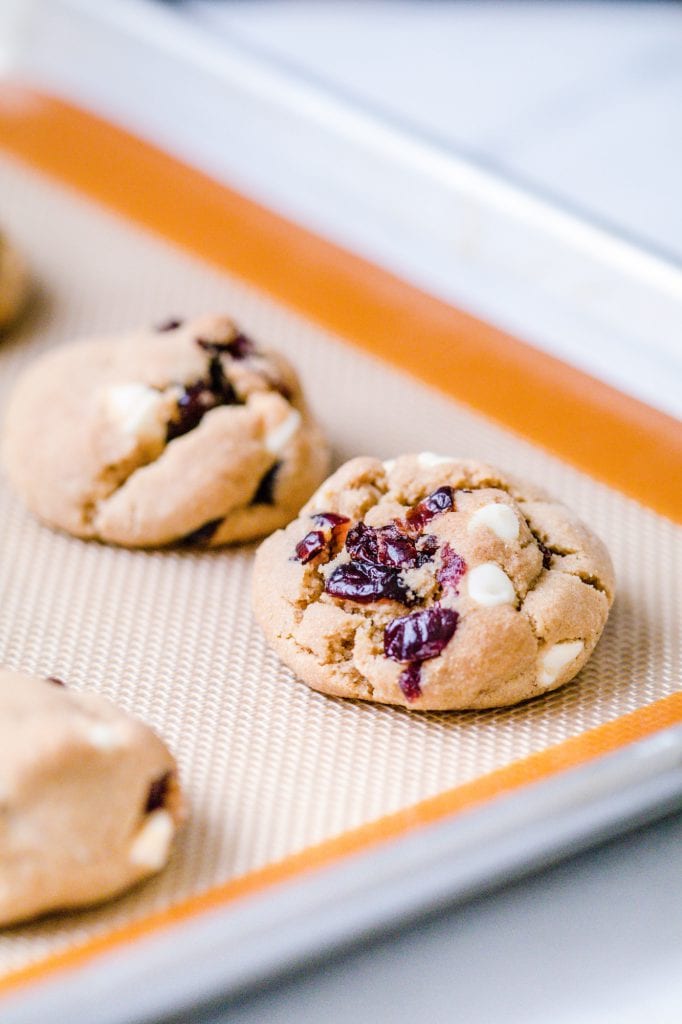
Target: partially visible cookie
{"type": "Point", "coordinates": [189, 432]}
{"type": "Point", "coordinates": [433, 583]}
{"type": "Point", "coordinates": [13, 282]}
{"type": "Point", "coordinates": [89, 798]}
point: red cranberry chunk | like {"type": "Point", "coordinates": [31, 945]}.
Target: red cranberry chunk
{"type": "Point", "coordinates": [56, 681]}
{"type": "Point", "coordinates": [364, 582]}
{"type": "Point", "coordinates": [199, 398]}
{"type": "Point", "coordinates": [334, 527]}
{"type": "Point", "coordinates": [220, 385]}
{"type": "Point", "coordinates": [241, 347]}
{"type": "Point", "coordinates": [361, 543]}
{"type": "Point", "coordinates": [427, 547]}
{"type": "Point", "coordinates": [238, 347]}
{"type": "Point", "coordinates": [410, 681]}
{"type": "Point", "coordinates": [193, 404]}
{"type": "Point", "coordinates": [169, 325]}
{"type": "Point", "coordinates": [386, 545]}
{"type": "Point", "coordinates": [312, 545]}
{"type": "Point", "coordinates": [452, 569]}
{"type": "Point", "coordinates": [441, 500]}
{"type": "Point", "coordinates": [420, 635]}
{"type": "Point", "coordinates": [397, 549]}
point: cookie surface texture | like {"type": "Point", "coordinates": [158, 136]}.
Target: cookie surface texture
{"type": "Point", "coordinates": [14, 282]}
{"type": "Point", "coordinates": [433, 583]}
{"type": "Point", "coordinates": [185, 433]}
{"type": "Point", "coordinates": [90, 801]}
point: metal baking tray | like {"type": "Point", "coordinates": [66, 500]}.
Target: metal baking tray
{"type": "Point", "coordinates": [287, 853]}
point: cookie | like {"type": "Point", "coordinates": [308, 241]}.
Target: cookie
{"type": "Point", "coordinates": [89, 798]}
{"type": "Point", "coordinates": [189, 432]}
{"type": "Point", "coordinates": [433, 583]}
{"type": "Point", "coordinates": [13, 282]}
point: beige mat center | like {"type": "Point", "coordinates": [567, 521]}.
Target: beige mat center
{"type": "Point", "coordinates": [269, 766]}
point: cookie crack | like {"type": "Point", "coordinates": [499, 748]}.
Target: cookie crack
{"type": "Point", "coordinates": [531, 622]}
{"type": "Point", "coordinates": [588, 579]}
{"type": "Point", "coordinates": [116, 475]}
{"type": "Point", "coordinates": [353, 676]}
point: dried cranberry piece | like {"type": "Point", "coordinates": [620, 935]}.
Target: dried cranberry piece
{"type": "Point", "coordinates": [364, 582]}
{"type": "Point", "coordinates": [169, 325]}
{"type": "Point", "coordinates": [332, 526]}
{"type": "Point", "coordinates": [335, 527]}
{"type": "Point", "coordinates": [440, 500]}
{"type": "Point", "coordinates": [427, 548]}
{"type": "Point", "coordinates": [410, 681]}
{"type": "Point", "coordinates": [203, 534]}
{"type": "Point", "coordinates": [361, 543]}
{"type": "Point", "coordinates": [420, 635]}
{"type": "Point", "coordinates": [238, 347]}
{"type": "Point", "coordinates": [265, 492]}
{"type": "Point", "coordinates": [220, 385]}
{"type": "Point", "coordinates": [385, 545]}
{"type": "Point", "coordinates": [241, 347]}
{"type": "Point", "coordinates": [193, 404]}
{"type": "Point", "coordinates": [56, 681]}
{"type": "Point", "coordinates": [199, 398]}
{"type": "Point", "coordinates": [452, 569]}
{"type": "Point", "coordinates": [397, 549]}
{"type": "Point", "coordinates": [311, 545]}
{"type": "Point", "coordinates": [158, 793]}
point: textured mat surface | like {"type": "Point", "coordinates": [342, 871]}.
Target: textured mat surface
{"type": "Point", "coordinates": [269, 766]}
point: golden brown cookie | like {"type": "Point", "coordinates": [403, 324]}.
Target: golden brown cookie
{"type": "Point", "coordinates": [190, 432]}
{"type": "Point", "coordinates": [434, 583]}
{"type": "Point", "coordinates": [89, 799]}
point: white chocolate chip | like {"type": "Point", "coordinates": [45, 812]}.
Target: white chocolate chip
{"type": "Point", "coordinates": [104, 736]}
{"type": "Point", "coordinates": [555, 659]}
{"type": "Point", "coordinates": [278, 438]}
{"type": "Point", "coordinates": [141, 411]}
{"type": "Point", "coordinates": [389, 465]}
{"type": "Point", "coordinates": [152, 843]}
{"type": "Point", "coordinates": [489, 585]}
{"type": "Point", "coordinates": [429, 459]}
{"type": "Point", "coordinates": [499, 518]}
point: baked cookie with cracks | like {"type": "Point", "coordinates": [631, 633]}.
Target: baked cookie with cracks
{"type": "Point", "coordinates": [188, 432]}
{"type": "Point", "coordinates": [434, 583]}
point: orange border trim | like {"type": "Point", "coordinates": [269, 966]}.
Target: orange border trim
{"type": "Point", "coordinates": [573, 752]}
{"type": "Point", "coordinates": [639, 450]}
{"type": "Point", "coordinates": [627, 444]}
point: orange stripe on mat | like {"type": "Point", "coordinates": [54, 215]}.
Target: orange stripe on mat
{"type": "Point", "coordinates": [569, 754]}
{"type": "Point", "coordinates": [639, 450]}
{"type": "Point", "coordinates": [636, 449]}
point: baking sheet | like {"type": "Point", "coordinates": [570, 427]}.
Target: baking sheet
{"type": "Point", "coordinates": [270, 767]}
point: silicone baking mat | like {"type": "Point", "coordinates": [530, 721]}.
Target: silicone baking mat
{"type": "Point", "coordinates": [270, 768]}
